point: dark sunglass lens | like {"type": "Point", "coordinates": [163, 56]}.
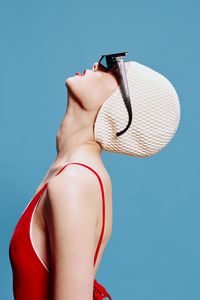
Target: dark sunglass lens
{"type": "Point", "coordinates": [111, 61]}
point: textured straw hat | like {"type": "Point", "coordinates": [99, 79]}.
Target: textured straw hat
{"type": "Point", "coordinates": [155, 114]}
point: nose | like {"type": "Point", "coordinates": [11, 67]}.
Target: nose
{"type": "Point", "coordinates": [95, 66]}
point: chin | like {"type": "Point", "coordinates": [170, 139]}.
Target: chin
{"type": "Point", "coordinates": [69, 80]}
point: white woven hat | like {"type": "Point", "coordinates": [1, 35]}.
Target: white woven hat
{"type": "Point", "coordinates": [155, 114]}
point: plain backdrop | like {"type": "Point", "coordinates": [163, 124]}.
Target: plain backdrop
{"type": "Point", "coordinates": [154, 250]}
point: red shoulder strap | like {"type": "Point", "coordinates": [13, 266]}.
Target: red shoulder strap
{"type": "Point", "coordinates": [103, 204]}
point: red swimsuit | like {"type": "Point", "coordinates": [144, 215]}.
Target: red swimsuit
{"type": "Point", "coordinates": [31, 278]}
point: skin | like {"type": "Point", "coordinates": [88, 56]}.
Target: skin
{"type": "Point", "coordinates": [70, 211]}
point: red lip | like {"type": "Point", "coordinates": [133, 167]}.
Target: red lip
{"type": "Point", "coordinates": [78, 73]}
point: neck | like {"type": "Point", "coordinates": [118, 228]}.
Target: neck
{"type": "Point", "coordinates": [75, 138]}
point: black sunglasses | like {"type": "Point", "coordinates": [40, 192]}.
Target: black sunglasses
{"type": "Point", "coordinates": [115, 62]}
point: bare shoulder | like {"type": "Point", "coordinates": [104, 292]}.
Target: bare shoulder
{"type": "Point", "coordinates": [75, 175]}
{"type": "Point", "coordinates": [71, 213]}
{"type": "Point", "coordinates": [80, 178]}
{"type": "Point", "coordinates": [78, 183]}
{"type": "Point", "coordinates": [74, 183]}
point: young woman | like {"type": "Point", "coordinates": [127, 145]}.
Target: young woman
{"type": "Point", "coordinates": [58, 243]}
{"type": "Point", "coordinates": [62, 229]}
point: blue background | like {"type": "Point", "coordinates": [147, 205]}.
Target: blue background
{"type": "Point", "coordinates": [154, 250]}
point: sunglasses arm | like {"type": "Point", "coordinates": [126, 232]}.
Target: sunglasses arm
{"type": "Point", "coordinates": [125, 91]}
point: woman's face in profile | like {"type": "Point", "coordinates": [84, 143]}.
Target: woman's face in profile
{"type": "Point", "coordinates": [93, 86]}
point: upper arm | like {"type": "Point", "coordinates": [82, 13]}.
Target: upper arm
{"type": "Point", "coordinates": [71, 216]}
